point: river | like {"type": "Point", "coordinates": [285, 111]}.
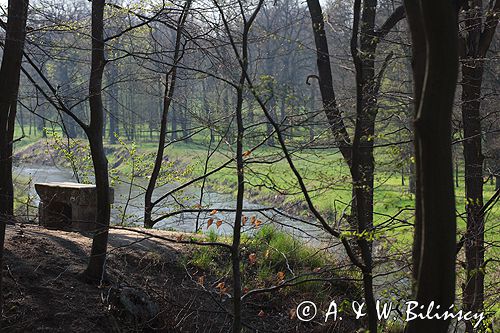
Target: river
{"type": "Point", "coordinates": [128, 207]}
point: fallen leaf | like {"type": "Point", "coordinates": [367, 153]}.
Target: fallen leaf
{"type": "Point", "coordinates": [213, 212]}
{"type": "Point", "coordinates": [252, 219]}
{"type": "Point", "coordinates": [222, 287]}
{"type": "Point", "coordinates": [281, 276]}
{"type": "Point", "coordinates": [252, 257]}
{"type": "Point", "coordinates": [209, 222]}
{"type": "Point", "coordinates": [247, 153]}
{"type": "Point", "coordinates": [218, 223]}
{"type": "Point", "coordinates": [201, 280]}
{"type": "Point", "coordinates": [258, 223]}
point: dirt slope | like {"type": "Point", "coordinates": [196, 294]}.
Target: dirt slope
{"type": "Point", "coordinates": [149, 288]}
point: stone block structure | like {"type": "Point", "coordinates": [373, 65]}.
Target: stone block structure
{"type": "Point", "coordinates": [68, 206]}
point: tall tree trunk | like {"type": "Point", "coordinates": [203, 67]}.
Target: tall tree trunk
{"type": "Point", "coordinates": [474, 45]}
{"type": "Point", "coordinates": [174, 120]}
{"type": "Point", "coordinates": [68, 125]}
{"type": "Point", "coordinates": [433, 28]}
{"type": "Point", "coordinates": [473, 293]}
{"type": "Point", "coordinates": [170, 80]}
{"type": "Point", "coordinates": [359, 156]}
{"type": "Point", "coordinates": [235, 246]}
{"type": "Point", "coordinates": [312, 113]}
{"type": "Point", "coordinates": [113, 130]}
{"type": "Point", "coordinates": [15, 34]}
{"type": "Point", "coordinates": [96, 267]}
{"type": "Point", "coordinates": [326, 82]}
{"type": "Point", "coordinates": [185, 124]}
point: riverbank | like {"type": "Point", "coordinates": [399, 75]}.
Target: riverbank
{"type": "Point", "coordinates": [152, 284]}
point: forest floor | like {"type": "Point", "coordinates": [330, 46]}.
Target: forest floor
{"type": "Point", "coordinates": [149, 287]}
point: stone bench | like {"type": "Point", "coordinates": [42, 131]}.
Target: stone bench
{"type": "Point", "coordinates": [68, 205]}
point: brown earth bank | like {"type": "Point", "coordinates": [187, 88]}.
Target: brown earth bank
{"type": "Point", "coordinates": [150, 287]}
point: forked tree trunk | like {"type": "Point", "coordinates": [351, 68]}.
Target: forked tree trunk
{"type": "Point", "coordinates": [359, 156]}
{"type": "Point", "coordinates": [434, 31]}
{"type": "Point", "coordinates": [15, 35]}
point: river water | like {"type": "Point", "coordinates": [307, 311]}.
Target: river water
{"type": "Point", "coordinates": [128, 207]}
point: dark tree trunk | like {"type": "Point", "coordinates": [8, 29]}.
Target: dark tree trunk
{"type": "Point", "coordinates": [435, 53]}
{"type": "Point", "coordinates": [474, 45]}
{"type": "Point", "coordinates": [15, 35]}
{"type": "Point", "coordinates": [174, 120]}
{"type": "Point", "coordinates": [235, 246]}
{"type": "Point", "coordinates": [473, 293]}
{"type": "Point", "coordinates": [325, 81]}
{"type": "Point", "coordinates": [359, 157]}
{"type": "Point", "coordinates": [21, 120]}
{"type": "Point", "coordinates": [283, 122]}
{"type": "Point", "coordinates": [96, 267]}
{"type": "Point", "coordinates": [185, 125]}
{"type": "Point", "coordinates": [240, 167]}
{"type": "Point", "coordinates": [113, 130]}
{"type": "Point", "coordinates": [251, 115]}
{"type": "Point", "coordinates": [312, 114]}
{"type": "Point", "coordinates": [412, 182]}
{"type": "Point", "coordinates": [170, 81]}
{"type": "Point", "coordinates": [362, 160]}
{"type": "Point", "coordinates": [68, 125]}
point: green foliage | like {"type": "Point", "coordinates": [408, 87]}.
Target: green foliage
{"type": "Point", "coordinates": [75, 152]}
{"type": "Point", "coordinates": [268, 257]}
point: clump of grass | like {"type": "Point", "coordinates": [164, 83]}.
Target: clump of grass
{"type": "Point", "coordinates": [212, 259]}
{"type": "Point", "coordinates": [283, 252]}
{"type": "Point", "coordinates": [267, 258]}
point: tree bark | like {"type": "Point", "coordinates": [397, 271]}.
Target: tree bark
{"type": "Point", "coordinates": [113, 130]}
{"type": "Point", "coordinates": [174, 119]}
{"type": "Point", "coordinates": [473, 293]}
{"type": "Point", "coordinates": [96, 267]}
{"type": "Point", "coordinates": [359, 156]}
{"type": "Point", "coordinates": [474, 45]}
{"type": "Point", "coordinates": [434, 31]}
{"type": "Point", "coordinates": [15, 35]}
{"type": "Point", "coordinates": [332, 111]}
{"type": "Point", "coordinates": [170, 80]}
